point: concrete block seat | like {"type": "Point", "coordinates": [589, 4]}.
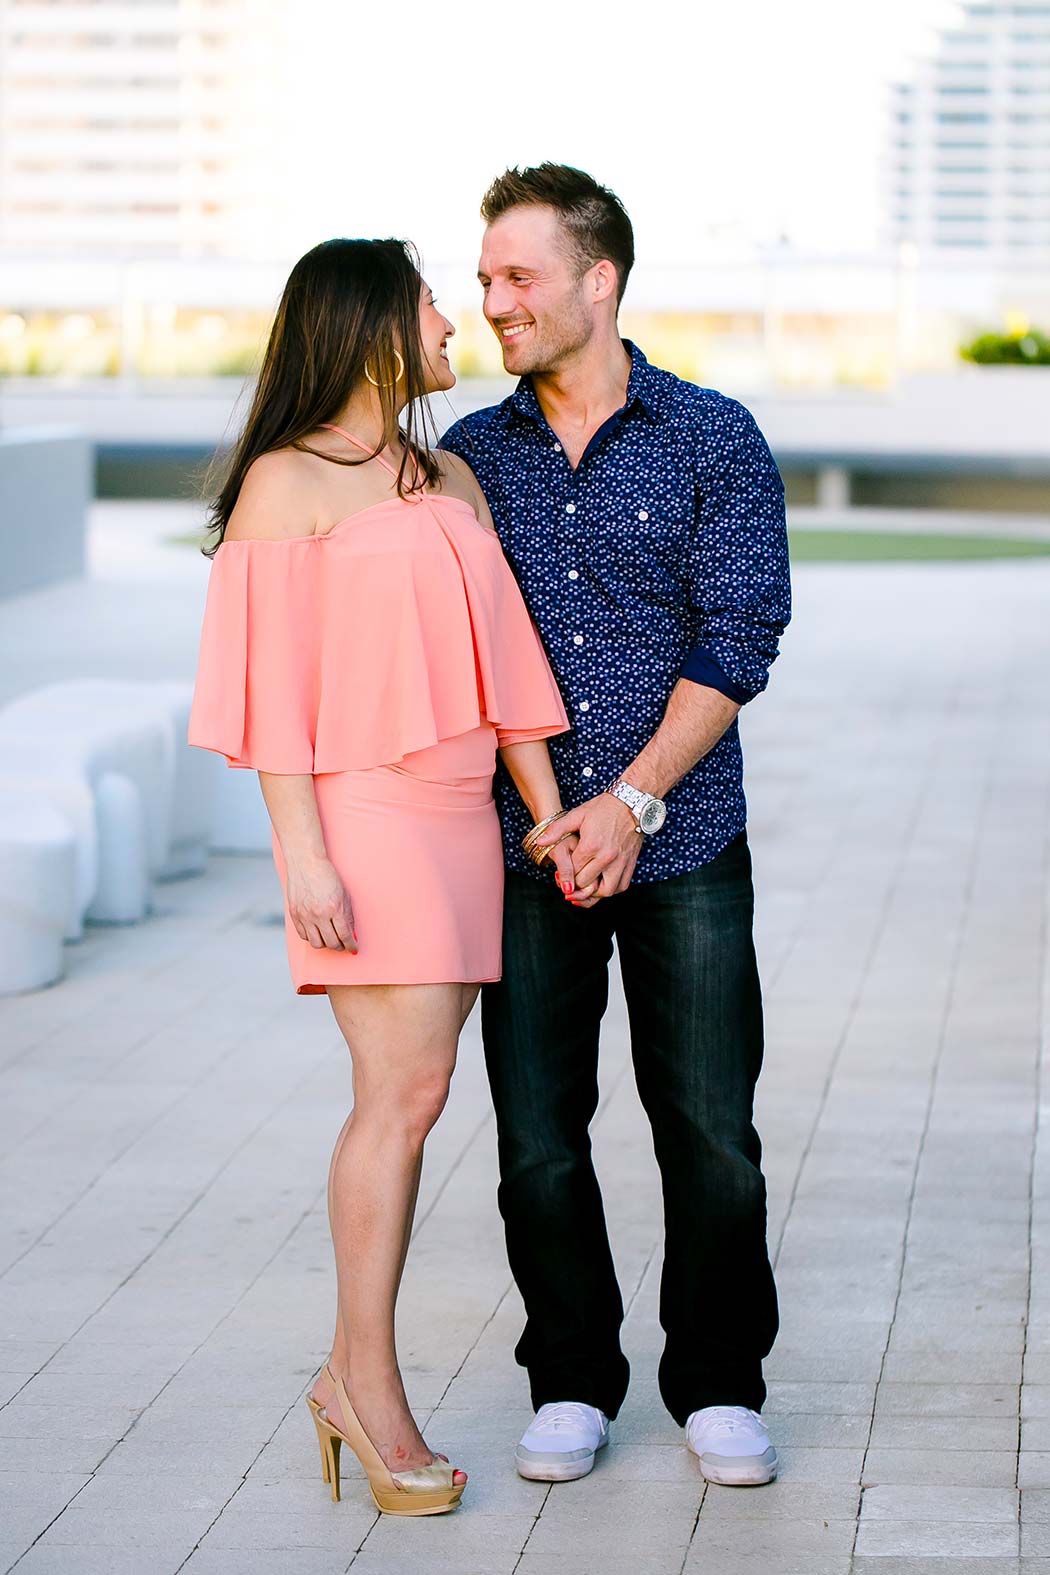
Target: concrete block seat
{"type": "Point", "coordinates": [38, 872]}
{"type": "Point", "coordinates": [124, 760]}
{"type": "Point", "coordinates": [179, 847]}
{"type": "Point", "coordinates": [67, 788]}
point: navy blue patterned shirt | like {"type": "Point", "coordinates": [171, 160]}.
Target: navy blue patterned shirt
{"type": "Point", "coordinates": [662, 556]}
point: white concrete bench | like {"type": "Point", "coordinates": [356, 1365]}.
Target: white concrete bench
{"type": "Point", "coordinates": [38, 859]}
{"type": "Point", "coordinates": [194, 774]}
{"type": "Point", "coordinates": [108, 736]}
{"type": "Point", "coordinates": [105, 808]}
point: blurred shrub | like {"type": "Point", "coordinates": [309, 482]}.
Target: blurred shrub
{"type": "Point", "coordinates": [1027, 349]}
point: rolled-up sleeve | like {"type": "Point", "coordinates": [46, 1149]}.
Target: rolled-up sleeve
{"type": "Point", "coordinates": [738, 571]}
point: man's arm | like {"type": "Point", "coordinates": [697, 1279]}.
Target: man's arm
{"type": "Point", "coordinates": [609, 845]}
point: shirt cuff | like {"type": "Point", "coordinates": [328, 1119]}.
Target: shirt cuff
{"type": "Point", "coordinates": [701, 668]}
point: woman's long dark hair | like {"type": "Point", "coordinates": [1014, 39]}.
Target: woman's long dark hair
{"type": "Point", "coordinates": [346, 303]}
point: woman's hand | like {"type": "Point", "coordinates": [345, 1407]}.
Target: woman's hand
{"type": "Point", "coordinates": [561, 856]}
{"type": "Point", "coordinates": [320, 906]}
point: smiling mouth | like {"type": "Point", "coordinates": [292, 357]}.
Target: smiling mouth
{"type": "Point", "coordinates": [514, 331]}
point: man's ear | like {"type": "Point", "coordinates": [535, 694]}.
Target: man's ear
{"type": "Point", "coordinates": [604, 279]}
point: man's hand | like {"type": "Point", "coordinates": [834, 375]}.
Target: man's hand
{"type": "Point", "coordinates": [608, 849]}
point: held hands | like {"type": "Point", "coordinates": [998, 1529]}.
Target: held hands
{"type": "Point", "coordinates": [320, 906]}
{"type": "Point", "coordinates": [599, 859]}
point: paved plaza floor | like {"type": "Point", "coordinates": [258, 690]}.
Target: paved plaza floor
{"type": "Point", "coordinates": [167, 1112]}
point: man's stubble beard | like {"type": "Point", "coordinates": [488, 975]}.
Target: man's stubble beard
{"type": "Point", "coordinates": [564, 336]}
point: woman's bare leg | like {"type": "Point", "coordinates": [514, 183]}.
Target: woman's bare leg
{"type": "Point", "coordinates": [340, 1348]}
{"type": "Point", "coordinates": [402, 1040]}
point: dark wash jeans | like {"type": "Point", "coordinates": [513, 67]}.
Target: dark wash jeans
{"type": "Point", "coordinates": [691, 982]}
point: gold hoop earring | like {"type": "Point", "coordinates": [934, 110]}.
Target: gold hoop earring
{"type": "Point", "coordinates": [399, 374]}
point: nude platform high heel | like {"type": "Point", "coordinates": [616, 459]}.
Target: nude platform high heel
{"type": "Point", "coordinates": [425, 1490]}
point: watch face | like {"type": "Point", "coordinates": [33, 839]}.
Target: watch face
{"type": "Point", "coordinates": [653, 816]}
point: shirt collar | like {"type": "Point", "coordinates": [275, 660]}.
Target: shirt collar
{"type": "Point", "coordinates": [641, 390]}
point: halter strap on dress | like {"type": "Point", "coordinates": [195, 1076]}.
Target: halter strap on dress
{"type": "Point", "coordinates": [330, 426]}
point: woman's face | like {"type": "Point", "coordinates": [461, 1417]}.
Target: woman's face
{"type": "Point", "coordinates": [435, 331]}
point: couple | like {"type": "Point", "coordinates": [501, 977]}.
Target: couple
{"type": "Point", "coordinates": [599, 561]}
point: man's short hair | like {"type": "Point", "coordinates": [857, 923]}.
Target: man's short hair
{"type": "Point", "coordinates": [593, 218]}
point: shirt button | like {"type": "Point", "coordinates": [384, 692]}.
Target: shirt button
{"type": "Point", "coordinates": [588, 771]}
{"type": "Point", "coordinates": [577, 639]}
{"type": "Point", "coordinates": [557, 448]}
{"type": "Point", "coordinates": [574, 574]}
{"type": "Point", "coordinates": [585, 705]}
{"type": "Point", "coordinates": [643, 514]}
{"type": "Point", "coordinates": [570, 508]}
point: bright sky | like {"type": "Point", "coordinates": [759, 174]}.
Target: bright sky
{"type": "Point", "coordinates": [716, 124]}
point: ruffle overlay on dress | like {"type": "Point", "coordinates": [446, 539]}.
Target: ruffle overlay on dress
{"type": "Point", "coordinates": [401, 627]}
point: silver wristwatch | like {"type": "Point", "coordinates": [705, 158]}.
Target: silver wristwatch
{"type": "Point", "coordinates": [649, 812]}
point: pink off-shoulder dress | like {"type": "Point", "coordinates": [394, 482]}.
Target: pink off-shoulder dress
{"type": "Point", "coordinates": [388, 658]}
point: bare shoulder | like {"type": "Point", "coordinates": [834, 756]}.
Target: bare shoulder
{"type": "Point", "coordinates": [277, 500]}
{"type": "Point", "coordinates": [459, 481]}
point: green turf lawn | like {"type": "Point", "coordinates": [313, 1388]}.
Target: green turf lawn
{"type": "Point", "coordinates": [873, 546]}
{"type": "Point", "coordinates": [884, 546]}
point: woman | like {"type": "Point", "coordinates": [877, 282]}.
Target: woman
{"type": "Point", "coordinates": [366, 649]}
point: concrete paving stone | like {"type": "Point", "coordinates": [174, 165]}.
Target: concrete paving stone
{"type": "Point", "coordinates": [936, 1538]}
{"type": "Point", "coordinates": [25, 1523]}
{"type": "Point", "coordinates": [1035, 1539]}
{"type": "Point", "coordinates": [43, 1454]}
{"type": "Point", "coordinates": [936, 1566]}
{"type": "Point", "coordinates": [462, 1535]}
{"type": "Point", "coordinates": [206, 1487]}
{"type": "Point", "coordinates": [969, 1400]}
{"type": "Point", "coordinates": [890, 1502]}
{"type": "Point", "coordinates": [256, 1561]}
{"type": "Point", "coordinates": [1036, 1369]}
{"type": "Point", "coordinates": [944, 1432]}
{"type": "Point", "coordinates": [54, 1489]}
{"type": "Point", "coordinates": [102, 1527]}
{"type": "Point", "coordinates": [950, 1367]}
{"type": "Point", "coordinates": [341, 1530]}
{"type": "Point", "coordinates": [821, 1431]}
{"type": "Point", "coordinates": [51, 1558]}
{"type": "Point", "coordinates": [908, 1337]}
{"type": "Point", "coordinates": [797, 1364]}
{"type": "Point", "coordinates": [786, 1397]}
{"type": "Point", "coordinates": [783, 1500]}
{"type": "Point", "coordinates": [1035, 1505]}
{"type": "Point", "coordinates": [103, 1392]}
{"type": "Point", "coordinates": [581, 1564]}
{"type": "Point", "coordinates": [1035, 1433]}
{"type": "Point", "coordinates": [930, 1467]}
{"type": "Point", "coordinates": [790, 1547]}
{"type": "Point", "coordinates": [205, 1425]}
{"type": "Point", "coordinates": [1035, 1400]}
{"type": "Point", "coordinates": [802, 1463]}
{"type": "Point", "coordinates": [130, 1360]}
{"type": "Point", "coordinates": [369, 1562]}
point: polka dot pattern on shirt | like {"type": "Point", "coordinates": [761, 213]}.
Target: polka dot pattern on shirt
{"type": "Point", "coordinates": [662, 556]}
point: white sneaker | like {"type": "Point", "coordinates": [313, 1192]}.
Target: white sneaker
{"type": "Point", "coordinates": [732, 1446]}
{"type": "Point", "coordinates": [561, 1442]}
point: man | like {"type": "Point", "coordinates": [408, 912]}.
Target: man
{"type": "Point", "coordinates": [644, 518]}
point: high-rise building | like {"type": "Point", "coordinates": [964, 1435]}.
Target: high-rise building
{"type": "Point", "coordinates": [969, 164]}
{"type": "Point", "coordinates": [142, 128]}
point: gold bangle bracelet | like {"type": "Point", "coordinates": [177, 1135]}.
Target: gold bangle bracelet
{"type": "Point", "coordinates": [531, 837]}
